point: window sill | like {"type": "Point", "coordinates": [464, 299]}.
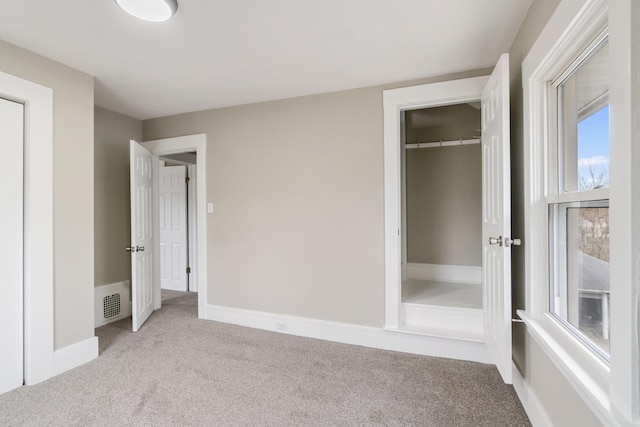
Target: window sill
{"type": "Point", "coordinates": [587, 374]}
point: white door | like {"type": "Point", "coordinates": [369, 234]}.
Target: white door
{"type": "Point", "coordinates": [496, 218]}
{"type": "Point", "coordinates": [142, 235]}
{"type": "Point", "coordinates": [173, 228]}
{"type": "Point", "coordinates": [11, 250]}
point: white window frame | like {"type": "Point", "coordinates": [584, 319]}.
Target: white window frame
{"type": "Point", "coordinates": [611, 390]}
{"type": "Point", "coordinates": [559, 140]}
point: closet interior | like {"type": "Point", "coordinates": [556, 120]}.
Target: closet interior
{"type": "Point", "coordinates": [442, 221]}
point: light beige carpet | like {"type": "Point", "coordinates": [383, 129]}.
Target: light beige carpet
{"type": "Point", "coordinates": [179, 370]}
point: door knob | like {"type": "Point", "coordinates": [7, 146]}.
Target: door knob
{"type": "Point", "coordinates": [130, 249]}
{"type": "Point", "coordinates": [515, 242]}
{"type": "Point", "coordinates": [495, 241]}
{"type": "Point", "coordinates": [140, 248]}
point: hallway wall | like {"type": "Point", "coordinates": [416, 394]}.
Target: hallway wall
{"type": "Point", "coordinates": [112, 201]}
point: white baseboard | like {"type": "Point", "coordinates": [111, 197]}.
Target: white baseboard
{"type": "Point", "coordinates": [99, 292]}
{"type": "Point", "coordinates": [444, 273]}
{"type": "Point", "coordinates": [366, 336]}
{"type": "Point", "coordinates": [465, 323]}
{"type": "Point", "coordinates": [75, 355]}
{"type": "Point", "coordinates": [529, 400]}
{"type": "Point", "coordinates": [170, 287]}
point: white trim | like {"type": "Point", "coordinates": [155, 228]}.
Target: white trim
{"type": "Point", "coordinates": [557, 37]}
{"type": "Point", "coordinates": [445, 273]}
{"type": "Point", "coordinates": [396, 101]}
{"type": "Point", "coordinates": [366, 336]}
{"type": "Point", "coordinates": [75, 355]}
{"type": "Point", "coordinates": [448, 322]}
{"type": "Point", "coordinates": [575, 370]}
{"type": "Point", "coordinates": [38, 224]}
{"type": "Point", "coordinates": [532, 406]}
{"type": "Point", "coordinates": [197, 143]}
{"type": "Point", "coordinates": [624, 53]}
{"type": "Point", "coordinates": [192, 189]}
{"type": "Point", "coordinates": [579, 196]}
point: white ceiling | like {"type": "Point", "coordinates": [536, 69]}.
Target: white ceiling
{"type": "Point", "coordinates": [216, 53]}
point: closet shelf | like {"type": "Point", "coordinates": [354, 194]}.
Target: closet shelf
{"type": "Point", "coordinates": [441, 143]}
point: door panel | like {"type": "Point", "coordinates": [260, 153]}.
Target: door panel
{"type": "Point", "coordinates": [142, 235]}
{"type": "Point", "coordinates": [496, 215]}
{"type": "Point", "coordinates": [11, 250]}
{"type": "Point", "coordinates": [173, 228]}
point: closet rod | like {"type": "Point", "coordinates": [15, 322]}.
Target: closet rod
{"type": "Point", "coordinates": [442, 143]}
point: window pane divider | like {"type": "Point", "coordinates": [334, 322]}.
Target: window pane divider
{"type": "Point", "coordinates": [579, 196]}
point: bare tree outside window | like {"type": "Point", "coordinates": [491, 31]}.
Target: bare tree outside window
{"type": "Point", "coordinates": [594, 222]}
{"type": "Point", "coordinates": [593, 175]}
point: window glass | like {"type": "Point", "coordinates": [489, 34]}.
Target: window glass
{"type": "Point", "coordinates": [581, 275]}
{"type": "Point", "coordinates": [593, 151]}
{"type": "Point", "coordinates": [579, 224]}
{"type": "Point", "coordinates": [584, 124]}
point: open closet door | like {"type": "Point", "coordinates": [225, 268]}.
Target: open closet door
{"type": "Point", "coordinates": [11, 251]}
{"type": "Point", "coordinates": [496, 218]}
{"type": "Point", "coordinates": [142, 234]}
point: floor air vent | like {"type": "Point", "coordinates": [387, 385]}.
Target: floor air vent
{"type": "Point", "coordinates": [112, 303]}
{"type": "Point", "coordinates": [111, 306]}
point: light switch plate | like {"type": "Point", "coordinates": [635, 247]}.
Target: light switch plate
{"type": "Point", "coordinates": [209, 207]}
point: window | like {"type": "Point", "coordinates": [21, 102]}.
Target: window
{"type": "Point", "coordinates": [579, 252]}
{"type": "Point", "coordinates": [578, 201]}
{"type": "Point", "coordinates": [582, 193]}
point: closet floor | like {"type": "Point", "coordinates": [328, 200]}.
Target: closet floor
{"type": "Point", "coordinates": [446, 294]}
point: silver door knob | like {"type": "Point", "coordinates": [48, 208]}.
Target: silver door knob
{"type": "Point", "coordinates": [509, 241]}
{"type": "Point", "coordinates": [140, 248]}
{"type": "Point", "coordinates": [495, 241]}
{"type": "Point", "coordinates": [130, 249]}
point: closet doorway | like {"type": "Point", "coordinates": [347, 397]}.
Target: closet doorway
{"type": "Point", "coordinates": [35, 289]}
{"type": "Point", "coordinates": [442, 211]}
{"type": "Point", "coordinates": [431, 243]}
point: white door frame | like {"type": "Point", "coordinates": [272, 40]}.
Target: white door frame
{"type": "Point", "coordinates": [190, 143]}
{"type": "Point", "coordinates": [396, 101]}
{"type": "Point", "coordinates": [192, 229]}
{"type": "Point", "coordinates": [11, 254]}
{"type": "Point", "coordinates": [38, 224]}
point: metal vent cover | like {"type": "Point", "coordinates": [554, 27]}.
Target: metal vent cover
{"type": "Point", "coordinates": [111, 306]}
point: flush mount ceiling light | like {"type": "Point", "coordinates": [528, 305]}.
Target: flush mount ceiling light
{"type": "Point", "coordinates": [149, 10]}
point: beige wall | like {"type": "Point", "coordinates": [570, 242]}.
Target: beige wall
{"type": "Point", "coordinates": [563, 406]}
{"type": "Point", "coordinates": [297, 188]}
{"type": "Point", "coordinates": [444, 187]}
{"type": "Point", "coordinates": [112, 202]}
{"type": "Point", "coordinates": [559, 399]}
{"type": "Point", "coordinates": [72, 188]}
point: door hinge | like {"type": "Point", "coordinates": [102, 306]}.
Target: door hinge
{"type": "Point", "coordinates": [188, 270]}
{"type": "Point", "coordinates": [187, 179]}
